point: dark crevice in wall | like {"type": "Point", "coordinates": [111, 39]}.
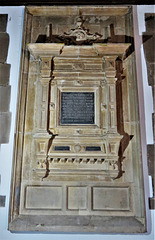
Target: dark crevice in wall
{"type": "Point", "coordinates": [50, 141]}
{"type": "Point", "coordinates": [120, 121]}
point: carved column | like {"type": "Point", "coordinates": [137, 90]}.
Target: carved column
{"type": "Point", "coordinates": [111, 80]}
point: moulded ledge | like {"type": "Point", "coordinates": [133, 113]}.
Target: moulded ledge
{"type": "Point", "coordinates": [77, 224]}
{"type": "Point", "coordinates": [112, 48]}
{"type": "Point", "coordinates": [56, 49]}
{"type": "Point", "coordinates": [45, 49]}
{"type": "Point", "coordinates": [76, 10]}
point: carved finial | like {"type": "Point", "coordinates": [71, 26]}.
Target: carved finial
{"type": "Point", "coordinates": [79, 22]}
{"type": "Point", "coordinates": [80, 34]}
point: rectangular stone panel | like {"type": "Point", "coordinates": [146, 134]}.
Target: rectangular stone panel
{"type": "Point", "coordinates": [45, 197]}
{"type": "Point", "coordinates": [77, 198]}
{"type": "Point", "coordinates": [5, 122]}
{"type": "Point", "coordinates": [77, 108]}
{"type": "Point", "coordinates": [3, 22]}
{"type": "Point", "coordinates": [4, 44]}
{"type": "Point", "coordinates": [111, 198]}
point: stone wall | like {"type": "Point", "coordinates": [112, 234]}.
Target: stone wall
{"type": "Point", "coordinates": [5, 88]}
{"type": "Point", "coordinates": [5, 115]}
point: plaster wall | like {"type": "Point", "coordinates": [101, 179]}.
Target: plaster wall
{"type": "Point", "coordinates": [14, 28]}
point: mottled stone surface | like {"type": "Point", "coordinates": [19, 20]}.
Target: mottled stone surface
{"type": "Point", "coordinates": [4, 74]}
{"type": "Point", "coordinates": [152, 203]}
{"type": "Point", "coordinates": [5, 92]}
{"type": "Point", "coordinates": [150, 154]}
{"type": "Point", "coordinates": [149, 22]}
{"type": "Point", "coordinates": [5, 122]}
{"type": "Point", "coordinates": [5, 89]}
{"type": "Point", "coordinates": [4, 44]}
{"type": "Point", "coordinates": [149, 49]}
{"type": "Point", "coordinates": [3, 22]}
{"type": "Point", "coordinates": [2, 201]}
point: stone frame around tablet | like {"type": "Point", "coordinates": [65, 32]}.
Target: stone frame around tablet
{"type": "Point", "coordinates": [57, 103]}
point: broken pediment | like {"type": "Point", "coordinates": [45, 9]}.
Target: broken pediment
{"type": "Point", "coordinates": [76, 166]}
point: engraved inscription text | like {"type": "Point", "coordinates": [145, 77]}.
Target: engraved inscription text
{"type": "Point", "coordinates": [77, 108]}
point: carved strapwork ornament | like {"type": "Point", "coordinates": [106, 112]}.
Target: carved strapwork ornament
{"type": "Point", "coordinates": [80, 35]}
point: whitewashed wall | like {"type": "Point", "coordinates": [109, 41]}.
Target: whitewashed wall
{"type": "Point", "coordinates": [14, 28]}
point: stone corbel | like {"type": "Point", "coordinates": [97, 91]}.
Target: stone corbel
{"type": "Point", "coordinates": [45, 52]}
{"type": "Point", "coordinates": [119, 49]}
{"type": "Point", "coordinates": [46, 67]}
